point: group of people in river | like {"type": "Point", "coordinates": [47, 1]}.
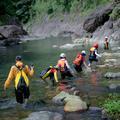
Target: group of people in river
{"type": "Point", "coordinates": [20, 72]}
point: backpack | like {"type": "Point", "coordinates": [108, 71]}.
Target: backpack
{"type": "Point", "coordinates": [21, 78]}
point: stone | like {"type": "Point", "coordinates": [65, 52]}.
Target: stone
{"type": "Point", "coordinates": [45, 115]}
{"type": "Point", "coordinates": [98, 18]}
{"type": "Point", "coordinates": [7, 103]}
{"type": "Point", "coordinates": [72, 103]}
{"type": "Point", "coordinates": [112, 75]}
{"type": "Point", "coordinates": [12, 31]}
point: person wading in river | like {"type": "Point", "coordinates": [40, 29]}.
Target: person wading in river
{"type": "Point", "coordinates": [64, 67]}
{"type": "Point", "coordinates": [106, 43]}
{"type": "Point", "coordinates": [80, 61]}
{"type": "Point", "coordinates": [50, 72]}
{"type": "Point", "coordinates": [20, 73]}
{"type": "Point", "coordinates": [93, 56]}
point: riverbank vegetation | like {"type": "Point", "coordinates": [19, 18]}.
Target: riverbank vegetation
{"type": "Point", "coordinates": [112, 106]}
{"type": "Point", "coordinates": [25, 10]}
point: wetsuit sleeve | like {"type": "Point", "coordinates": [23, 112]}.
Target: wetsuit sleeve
{"type": "Point", "coordinates": [97, 54]}
{"type": "Point", "coordinates": [29, 71]}
{"type": "Point", "coordinates": [66, 62]}
{"type": "Point", "coordinates": [10, 78]}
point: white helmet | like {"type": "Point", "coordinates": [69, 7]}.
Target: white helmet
{"type": "Point", "coordinates": [106, 37]}
{"type": "Point", "coordinates": [83, 52]}
{"type": "Point", "coordinates": [62, 55]}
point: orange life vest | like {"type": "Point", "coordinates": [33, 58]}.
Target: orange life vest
{"type": "Point", "coordinates": [61, 64]}
{"type": "Point", "coordinates": [78, 59]}
{"type": "Point", "coordinates": [92, 51]}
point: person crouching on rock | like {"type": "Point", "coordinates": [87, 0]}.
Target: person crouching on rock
{"type": "Point", "coordinates": [93, 54]}
{"type": "Point", "coordinates": [64, 67]}
{"type": "Point", "coordinates": [106, 43]}
{"type": "Point", "coordinates": [79, 61]}
{"type": "Point", "coordinates": [50, 72]}
{"type": "Point", "coordinates": [20, 73]}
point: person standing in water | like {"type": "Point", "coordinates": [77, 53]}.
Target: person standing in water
{"type": "Point", "coordinates": [80, 61]}
{"type": "Point", "coordinates": [20, 72]}
{"type": "Point", "coordinates": [93, 56]}
{"type": "Point", "coordinates": [106, 43]}
{"type": "Point", "coordinates": [64, 67]}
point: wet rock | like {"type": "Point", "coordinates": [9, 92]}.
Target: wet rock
{"type": "Point", "coordinates": [114, 86]}
{"type": "Point", "coordinates": [97, 18]}
{"type": "Point", "coordinates": [113, 62]}
{"type": "Point", "coordinates": [36, 105]}
{"type": "Point", "coordinates": [94, 113]}
{"type": "Point", "coordinates": [66, 33]}
{"type": "Point", "coordinates": [12, 31]}
{"type": "Point", "coordinates": [59, 99]}
{"type": "Point", "coordinates": [115, 48]}
{"type": "Point", "coordinates": [108, 55]}
{"type": "Point", "coordinates": [110, 60]}
{"type": "Point", "coordinates": [45, 115]}
{"type": "Point", "coordinates": [72, 102]}
{"type": "Point", "coordinates": [7, 103]}
{"type": "Point", "coordinates": [95, 109]}
{"type": "Point", "coordinates": [10, 41]}
{"type": "Point", "coordinates": [10, 34]}
{"type": "Point", "coordinates": [111, 75]}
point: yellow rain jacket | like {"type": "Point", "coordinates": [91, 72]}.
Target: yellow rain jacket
{"type": "Point", "coordinates": [14, 70]}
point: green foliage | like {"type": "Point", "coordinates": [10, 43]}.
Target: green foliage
{"type": "Point", "coordinates": [116, 13]}
{"type": "Point", "coordinates": [112, 106]}
{"type": "Point", "coordinates": [25, 10]}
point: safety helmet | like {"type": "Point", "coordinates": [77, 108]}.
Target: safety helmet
{"type": "Point", "coordinates": [106, 37]}
{"type": "Point", "coordinates": [83, 52]}
{"type": "Point", "coordinates": [62, 55]}
{"type": "Point", "coordinates": [95, 45]}
{"type": "Point", "coordinates": [18, 58]}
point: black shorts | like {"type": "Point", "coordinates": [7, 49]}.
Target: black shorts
{"type": "Point", "coordinates": [78, 68]}
{"type": "Point", "coordinates": [22, 93]}
{"type": "Point", "coordinates": [92, 58]}
{"type": "Point", "coordinates": [66, 73]}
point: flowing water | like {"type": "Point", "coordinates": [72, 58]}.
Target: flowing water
{"type": "Point", "coordinates": [43, 53]}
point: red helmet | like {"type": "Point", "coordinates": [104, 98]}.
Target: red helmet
{"type": "Point", "coordinates": [95, 45]}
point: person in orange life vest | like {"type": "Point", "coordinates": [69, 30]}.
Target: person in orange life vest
{"type": "Point", "coordinates": [79, 61]}
{"type": "Point", "coordinates": [94, 54]}
{"type": "Point", "coordinates": [51, 72]}
{"type": "Point", "coordinates": [106, 43]}
{"type": "Point", "coordinates": [21, 91]}
{"type": "Point", "coordinates": [64, 67]}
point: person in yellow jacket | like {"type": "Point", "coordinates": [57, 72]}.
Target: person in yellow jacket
{"type": "Point", "coordinates": [19, 73]}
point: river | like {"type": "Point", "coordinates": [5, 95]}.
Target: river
{"type": "Point", "coordinates": [43, 53]}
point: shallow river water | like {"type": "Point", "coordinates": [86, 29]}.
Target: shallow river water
{"type": "Point", "coordinates": [42, 53]}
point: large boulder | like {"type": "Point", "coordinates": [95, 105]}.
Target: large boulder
{"type": "Point", "coordinates": [45, 115]}
{"type": "Point", "coordinates": [98, 18]}
{"type": "Point", "coordinates": [10, 34]}
{"type": "Point", "coordinates": [12, 31]}
{"type": "Point", "coordinates": [72, 103]}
